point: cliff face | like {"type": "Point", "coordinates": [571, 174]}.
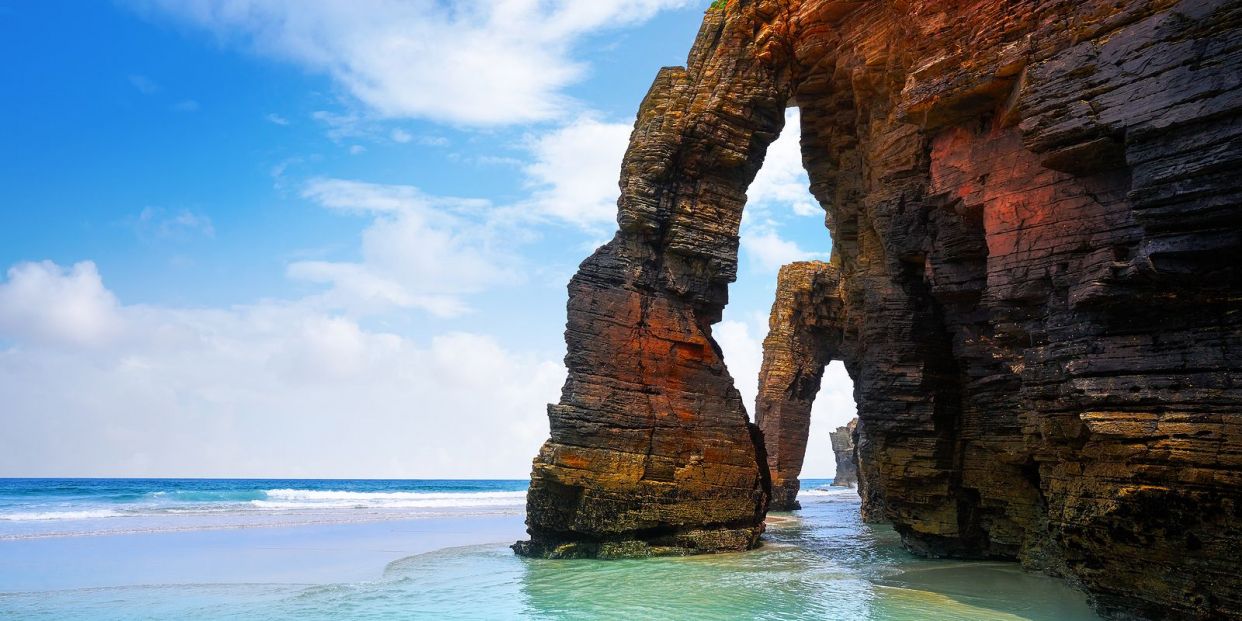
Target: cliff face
{"type": "Point", "coordinates": [1036, 224]}
{"type": "Point", "coordinates": [847, 460]}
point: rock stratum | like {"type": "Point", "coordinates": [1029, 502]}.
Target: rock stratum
{"type": "Point", "coordinates": [1037, 247]}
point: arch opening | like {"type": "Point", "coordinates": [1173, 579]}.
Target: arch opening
{"type": "Point", "coordinates": [781, 332]}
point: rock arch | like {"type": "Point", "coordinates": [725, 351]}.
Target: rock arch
{"type": "Point", "coordinates": [1037, 225]}
{"type": "Point", "coordinates": [804, 335]}
{"type": "Point", "coordinates": [651, 448]}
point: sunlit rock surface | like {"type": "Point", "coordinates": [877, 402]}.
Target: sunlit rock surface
{"type": "Point", "coordinates": [651, 449]}
{"type": "Point", "coordinates": [1036, 224]}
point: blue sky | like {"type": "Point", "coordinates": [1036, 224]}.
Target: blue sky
{"type": "Point", "coordinates": [326, 239]}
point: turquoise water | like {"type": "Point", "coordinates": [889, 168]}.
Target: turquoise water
{"type": "Point", "coordinates": [817, 563]}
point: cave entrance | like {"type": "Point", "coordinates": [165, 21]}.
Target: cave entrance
{"type": "Point", "coordinates": [783, 230]}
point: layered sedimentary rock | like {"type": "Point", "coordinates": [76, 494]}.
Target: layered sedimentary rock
{"type": "Point", "coordinates": [1035, 210]}
{"type": "Point", "coordinates": [843, 450]}
{"type": "Point", "coordinates": [651, 449]}
{"type": "Point", "coordinates": [804, 335]}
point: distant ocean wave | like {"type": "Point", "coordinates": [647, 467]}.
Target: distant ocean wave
{"type": "Point", "coordinates": [303, 498]}
{"type": "Point", "coordinates": [204, 496]}
{"type": "Point", "coordinates": [63, 507]}
{"type": "Point", "coordinates": [86, 500]}
{"type": "Point", "coordinates": [35, 516]}
{"type": "Point", "coordinates": [827, 493]}
{"type": "Point", "coordinates": [273, 499]}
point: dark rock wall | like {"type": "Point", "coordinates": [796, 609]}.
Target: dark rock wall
{"type": "Point", "coordinates": [1039, 249]}
{"type": "Point", "coordinates": [1035, 208]}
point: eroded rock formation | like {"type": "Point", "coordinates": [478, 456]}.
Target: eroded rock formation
{"type": "Point", "coordinates": [804, 334]}
{"type": "Point", "coordinates": [1035, 213]}
{"type": "Point", "coordinates": [847, 459]}
{"type": "Point", "coordinates": [651, 449]}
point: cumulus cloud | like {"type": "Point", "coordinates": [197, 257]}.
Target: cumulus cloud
{"type": "Point", "coordinates": [783, 182]}
{"type": "Point", "coordinates": [272, 389]}
{"type": "Point", "coordinates": [51, 305]}
{"type": "Point", "coordinates": [778, 191]}
{"type": "Point", "coordinates": [478, 62]}
{"type": "Point", "coordinates": [575, 170]}
{"type": "Point", "coordinates": [743, 348]}
{"type": "Point", "coordinates": [768, 251]}
{"type": "Point", "coordinates": [419, 251]}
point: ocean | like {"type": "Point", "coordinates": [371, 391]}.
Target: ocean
{"type": "Point", "coordinates": [100, 549]}
{"type": "Point", "coordinates": [31, 508]}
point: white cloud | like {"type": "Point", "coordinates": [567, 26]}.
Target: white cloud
{"type": "Point", "coordinates": [277, 119]}
{"type": "Point", "coordinates": [478, 62]}
{"type": "Point", "coordinates": [342, 125]}
{"type": "Point", "coordinates": [361, 197]}
{"type": "Point", "coordinates": [418, 252]}
{"type": "Point", "coordinates": [575, 171]}
{"type": "Point", "coordinates": [273, 389]}
{"type": "Point", "coordinates": [401, 136]}
{"type": "Point", "coordinates": [50, 305]}
{"type": "Point", "coordinates": [782, 181]}
{"type": "Point", "coordinates": [834, 407]}
{"type": "Point", "coordinates": [779, 190]}
{"type": "Point", "coordinates": [742, 343]}
{"type": "Point", "coordinates": [357, 149]}
{"type": "Point", "coordinates": [768, 251]}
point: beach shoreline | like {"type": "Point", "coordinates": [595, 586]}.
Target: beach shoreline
{"type": "Point", "coordinates": [274, 554]}
{"type": "Point", "coordinates": [821, 562]}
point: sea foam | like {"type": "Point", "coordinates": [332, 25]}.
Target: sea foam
{"type": "Point", "coordinates": [305, 498]}
{"type": "Point", "coordinates": [30, 516]}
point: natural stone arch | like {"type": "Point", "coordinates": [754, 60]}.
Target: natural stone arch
{"type": "Point", "coordinates": [651, 449]}
{"type": "Point", "coordinates": [804, 335]}
{"type": "Point", "coordinates": [1034, 209]}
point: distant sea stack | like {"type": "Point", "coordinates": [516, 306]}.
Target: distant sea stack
{"type": "Point", "coordinates": [843, 450]}
{"type": "Point", "coordinates": [1036, 215]}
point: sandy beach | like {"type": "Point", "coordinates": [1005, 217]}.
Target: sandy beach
{"type": "Point", "coordinates": [310, 554]}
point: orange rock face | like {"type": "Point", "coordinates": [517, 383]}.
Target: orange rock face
{"type": "Point", "coordinates": [651, 449]}
{"type": "Point", "coordinates": [1036, 212]}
